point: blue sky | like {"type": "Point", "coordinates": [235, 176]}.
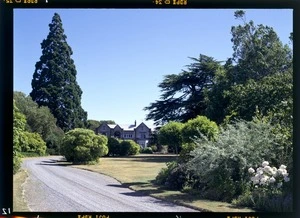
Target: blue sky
{"type": "Point", "coordinates": [121, 55]}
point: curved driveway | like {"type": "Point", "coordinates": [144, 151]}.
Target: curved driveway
{"type": "Point", "coordinates": [51, 187]}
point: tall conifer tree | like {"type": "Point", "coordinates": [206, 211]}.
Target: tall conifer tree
{"type": "Point", "coordinates": [54, 79]}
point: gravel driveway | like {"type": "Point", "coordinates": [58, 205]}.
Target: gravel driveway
{"type": "Point", "coordinates": [51, 187]}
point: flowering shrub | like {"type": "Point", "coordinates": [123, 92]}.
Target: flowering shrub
{"type": "Point", "coordinates": [222, 165]}
{"type": "Point", "coordinates": [267, 188]}
{"type": "Point", "coordinates": [269, 176]}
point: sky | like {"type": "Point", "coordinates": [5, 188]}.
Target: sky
{"type": "Point", "coordinates": [121, 55]}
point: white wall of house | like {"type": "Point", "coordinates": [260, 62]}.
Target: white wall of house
{"type": "Point", "coordinates": [141, 134]}
{"type": "Point", "coordinates": [128, 134]}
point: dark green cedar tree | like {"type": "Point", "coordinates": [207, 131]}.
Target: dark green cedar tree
{"type": "Point", "coordinates": [54, 80]}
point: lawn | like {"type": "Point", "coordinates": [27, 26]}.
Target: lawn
{"type": "Point", "coordinates": [137, 172]}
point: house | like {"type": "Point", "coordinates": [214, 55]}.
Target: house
{"type": "Point", "coordinates": [139, 133]}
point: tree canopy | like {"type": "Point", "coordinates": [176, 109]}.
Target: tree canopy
{"type": "Point", "coordinates": [54, 80]}
{"type": "Point", "coordinates": [170, 134]}
{"type": "Point", "coordinates": [183, 94]}
{"type": "Point", "coordinates": [260, 63]}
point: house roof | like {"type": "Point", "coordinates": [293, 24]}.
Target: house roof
{"type": "Point", "coordinates": [111, 125]}
{"type": "Point", "coordinates": [129, 127]}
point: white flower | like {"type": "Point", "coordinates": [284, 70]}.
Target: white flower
{"type": "Point", "coordinates": [274, 171]}
{"type": "Point", "coordinates": [264, 180]}
{"type": "Point", "coordinates": [260, 172]}
{"type": "Point", "coordinates": [286, 179]}
{"type": "Point", "coordinates": [268, 169]}
{"type": "Point", "coordinates": [259, 169]}
{"type": "Point", "coordinates": [282, 167]}
{"type": "Point", "coordinates": [265, 163]}
{"type": "Point", "coordinates": [255, 179]}
{"type": "Point", "coordinates": [251, 170]}
{"type": "Point", "coordinates": [285, 174]}
{"type": "Point", "coordinates": [272, 180]}
{"type": "Point", "coordinates": [280, 171]}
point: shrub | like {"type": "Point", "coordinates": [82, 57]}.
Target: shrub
{"type": "Point", "coordinates": [222, 165]}
{"type": "Point", "coordinates": [16, 162]}
{"type": "Point", "coordinates": [162, 176]}
{"type": "Point", "coordinates": [83, 146]}
{"type": "Point", "coordinates": [129, 147]}
{"type": "Point", "coordinates": [197, 127]}
{"type": "Point", "coordinates": [177, 178]}
{"type": "Point", "coordinates": [154, 148]}
{"type": "Point", "coordinates": [134, 148]}
{"type": "Point", "coordinates": [174, 177]}
{"type": "Point", "coordinates": [267, 189]}
{"type": "Point", "coordinates": [34, 144]}
{"type": "Point", "coordinates": [113, 145]}
{"type": "Point", "coordinates": [53, 141]}
{"type": "Point", "coordinates": [170, 134]}
{"type": "Point", "coordinates": [187, 148]}
{"type": "Point", "coordinates": [147, 150]}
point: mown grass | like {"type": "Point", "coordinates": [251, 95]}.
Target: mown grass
{"type": "Point", "coordinates": [139, 172]}
{"type": "Point", "coordinates": [19, 203]}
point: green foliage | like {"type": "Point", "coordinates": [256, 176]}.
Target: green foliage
{"type": "Point", "coordinates": [83, 146]}
{"type": "Point", "coordinates": [147, 150]}
{"type": "Point", "coordinates": [264, 201]}
{"type": "Point", "coordinates": [16, 162]}
{"type": "Point", "coordinates": [113, 146]}
{"type": "Point", "coordinates": [199, 126]}
{"type": "Point", "coordinates": [215, 98]}
{"type": "Point", "coordinates": [93, 124]}
{"type": "Point", "coordinates": [190, 85]}
{"type": "Point", "coordinates": [19, 122]}
{"type": "Point", "coordinates": [170, 134]}
{"type": "Point", "coordinates": [174, 177]}
{"type": "Point", "coordinates": [129, 147]}
{"type": "Point", "coordinates": [34, 144]}
{"type": "Point", "coordinates": [266, 94]}
{"type": "Point", "coordinates": [119, 147]}
{"type": "Point", "coordinates": [54, 80]}
{"type": "Point", "coordinates": [162, 176]}
{"type": "Point", "coordinates": [54, 140]}
{"type": "Point", "coordinates": [154, 148]}
{"type": "Point", "coordinates": [258, 51]}
{"type": "Point", "coordinates": [272, 203]}
{"type": "Point", "coordinates": [153, 141]}
{"type": "Point", "coordinates": [241, 85]}
{"type": "Point", "coordinates": [185, 153]}
{"type": "Point", "coordinates": [222, 165]}
{"type": "Point", "coordinates": [40, 120]}
{"type": "Point", "coordinates": [107, 121]}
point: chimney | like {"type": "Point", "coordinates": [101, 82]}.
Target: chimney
{"type": "Point", "coordinates": [135, 123]}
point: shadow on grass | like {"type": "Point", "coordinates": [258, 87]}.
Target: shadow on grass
{"type": "Point", "coordinates": [155, 159]}
{"type": "Point", "coordinates": [127, 185]}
